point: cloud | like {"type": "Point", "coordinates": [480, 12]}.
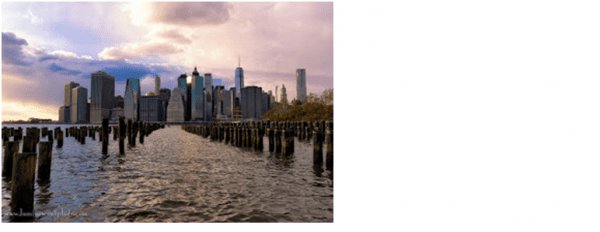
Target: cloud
{"type": "Point", "coordinates": [12, 49]}
{"type": "Point", "coordinates": [44, 79]}
{"type": "Point", "coordinates": [171, 35]}
{"type": "Point", "coordinates": [190, 14]}
{"type": "Point", "coordinates": [136, 50]}
{"type": "Point", "coordinates": [56, 68]}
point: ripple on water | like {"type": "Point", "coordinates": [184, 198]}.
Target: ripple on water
{"type": "Point", "coordinates": [176, 176]}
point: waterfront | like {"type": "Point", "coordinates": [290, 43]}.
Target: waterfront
{"type": "Point", "coordinates": [177, 176]}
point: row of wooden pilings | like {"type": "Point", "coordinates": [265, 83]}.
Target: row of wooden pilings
{"type": "Point", "coordinates": [20, 168]}
{"type": "Point", "coordinates": [280, 135]}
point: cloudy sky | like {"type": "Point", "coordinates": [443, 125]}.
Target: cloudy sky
{"type": "Point", "coordinates": [45, 45]}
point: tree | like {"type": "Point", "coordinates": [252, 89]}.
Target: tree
{"type": "Point", "coordinates": [310, 109]}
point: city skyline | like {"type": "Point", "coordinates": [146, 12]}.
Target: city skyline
{"type": "Point", "coordinates": [268, 46]}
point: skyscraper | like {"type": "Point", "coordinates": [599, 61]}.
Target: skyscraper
{"type": "Point", "coordinates": [102, 95]}
{"type": "Point", "coordinates": [283, 94]}
{"type": "Point", "coordinates": [68, 88]}
{"type": "Point", "coordinates": [300, 84]}
{"type": "Point", "coordinates": [197, 96]}
{"type": "Point", "coordinates": [157, 85]}
{"type": "Point", "coordinates": [132, 99]}
{"type": "Point", "coordinates": [208, 95]}
{"type": "Point", "coordinates": [182, 85]}
{"type": "Point", "coordinates": [79, 105]}
{"type": "Point", "coordinates": [239, 79]}
{"type": "Point", "coordinates": [65, 111]}
{"type": "Point", "coordinates": [175, 109]}
{"type": "Point", "coordinates": [251, 102]}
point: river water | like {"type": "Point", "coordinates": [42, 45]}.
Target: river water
{"type": "Point", "coordinates": [176, 176]}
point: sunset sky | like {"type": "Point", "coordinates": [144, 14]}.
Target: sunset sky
{"type": "Point", "coordinates": [45, 45]}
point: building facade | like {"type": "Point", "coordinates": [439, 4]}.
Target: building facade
{"type": "Point", "coordinates": [132, 99]}
{"type": "Point", "coordinates": [283, 98]}
{"type": "Point", "coordinates": [251, 102]}
{"type": "Point", "coordinates": [239, 80]}
{"type": "Point", "coordinates": [151, 109]}
{"type": "Point", "coordinates": [157, 85]}
{"type": "Point", "coordinates": [68, 89]}
{"type": "Point", "coordinates": [197, 96]}
{"type": "Point", "coordinates": [102, 95]}
{"type": "Point", "coordinates": [64, 114]}
{"type": "Point", "coordinates": [175, 110]}
{"type": "Point", "coordinates": [300, 84]}
{"type": "Point", "coordinates": [79, 104]}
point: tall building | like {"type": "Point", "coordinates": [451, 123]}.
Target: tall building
{"type": "Point", "coordinates": [151, 109]}
{"type": "Point", "coordinates": [251, 102]}
{"type": "Point", "coordinates": [239, 79]}
{"type": "Point", "coordinates": [79, 105]}
{"type": "Point", "coordinates": [197, 95]}
{"type": "Point", "coordinates": [165, 95]}
{"type": "Point", "coordinates": [132, 99]}
{"type": "Point", "coordinates": [208, 96]}
{"type": "Point", "coordinates": [68, 88]}
{"type": "Point", "coordinates": [223, 102]}
{"type": "Point", "coordinates": [102, 96]}
{"type": "Point", "coordinates": [182, 81]}
{"type": "Point", "coordinates": [64, 114]}
{"type": "Point", "coordinates": [175, 110]}
{"type": "Point", "coordinates": [157, 85]}
{"type": "Point", "coordinates": [300, 84]}
{"type": "Point", "coordinates": [283, 95]}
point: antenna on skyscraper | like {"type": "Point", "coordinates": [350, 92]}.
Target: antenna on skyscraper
{"type": "Point", "coordinates": [239, 60]}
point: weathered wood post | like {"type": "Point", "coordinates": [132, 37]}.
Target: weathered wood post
{"type": "Point", "coordinates": [329, 145]}
{"type": "Point", "coordinates": [11, 148]}
{"type": "Point", "coordinates": [308, 131]}
{"type": "Point", "coordinates": [92, 133]}
{"type": "Point", "coordinates": [29, 144]}
{"type": "Point", "coordinates": [104, 137]}
{"type": "Point", "coordinates": [317, 146]}
{"type": "Point", "coordinates": [129, 131]}
{"type": "Point", "coordinates": [59, 139]}
{"type": "Point", "coordinates": [271, 134]}
{"type": "Point", "coordinates": [115, 132]}
{"type": "Point", "coordinates": [67, 132]}
{"type": "Point", "coordinates": [44, 131]}
{"type": "Point", "coordinates": [134, 131]}
{"type": "Point", "coordinates": [23, 174]}
{"type": "Point", "coordinates": [278, 133]}
{"type": "Point", "coordinates": [121, 136]}
{"type": "Point", "coordinates": [45, 162]}
{"type": "Point", "coordinates": [142, 132]}
{"type": "Point", "coordinates": [84, 132]}
{"type": "Point", "coordinates": [260, 132]}
{"type": "Point", "coordinates": [50, 138]}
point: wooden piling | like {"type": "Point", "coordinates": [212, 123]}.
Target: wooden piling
{"type": "Point", "coordinates": [329, 145]}
{"type": "Point", "coordinates": [45, 161]}
{"type": "Point", "coordinates": [121, 136]}
{"type": "Point", "coordinates": [23, 174]}
{"type": "Point", "coordinates": [104, 137]}
{"type": "Point", "coordinates": [142, 132]}
{"type": "Point", "coordinates": [59, 139]}
{"type": "Point", "coordinates": [44, 131]}
{"type": "Point", "coordinates": [29, 144]}
{"type": "Point", "coordinates": [317, 147]}
{"type": "Point", "coordinates": [11, 148]}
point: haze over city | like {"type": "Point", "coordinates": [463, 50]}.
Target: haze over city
{"type": "Point", "coordinates": [46, 45]}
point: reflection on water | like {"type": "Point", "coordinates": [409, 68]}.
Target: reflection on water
{"type": "Point", "coordinates": [176, 176]}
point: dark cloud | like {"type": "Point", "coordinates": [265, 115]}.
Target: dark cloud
{"type": "Point", "coordinates": [191, 14]}
{"type": "Point", "coordinates": [12, 49]}
{"type": "Point", "coordinates": [56, 68]}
